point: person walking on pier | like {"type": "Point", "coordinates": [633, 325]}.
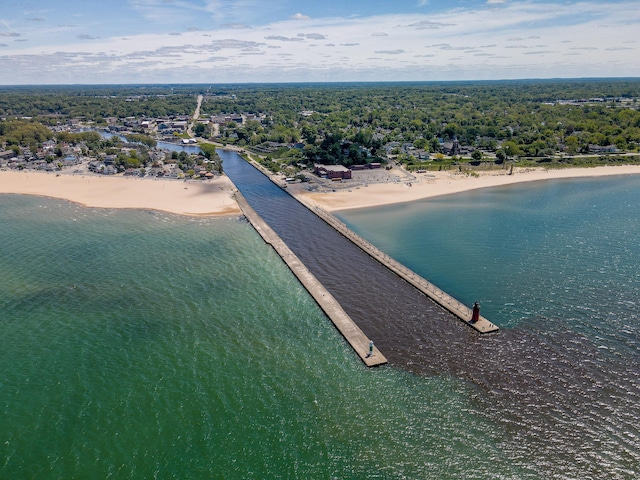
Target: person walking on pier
{"type": "Point", "coordinates": [370, 354]}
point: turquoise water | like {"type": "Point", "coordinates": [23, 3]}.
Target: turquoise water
{"type": "Point", "coordinates": [139, 344]}
{"type": "Point", "coordinates": [566, 248]}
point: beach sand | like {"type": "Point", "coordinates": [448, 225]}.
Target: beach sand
{"type": "Point", "coordinates": [214, 197]}
{"type": "Point", "coordinates": [432, 184]}
{"type": "Point", "coordinates": [195, 198]}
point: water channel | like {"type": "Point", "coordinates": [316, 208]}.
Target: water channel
{"type": "Point", "coordinates": [402, 321]}
{"type": "Point", "coordinates": [546, 385]}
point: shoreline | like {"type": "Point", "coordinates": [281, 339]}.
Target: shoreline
{"type": "Point", "coordinates": [188, 198]}
{"type": "Point", "coordinates": [215, 197]}
{"type": "Point", "coordinates": [435, 184]}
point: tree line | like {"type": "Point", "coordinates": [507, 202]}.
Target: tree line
{"type": "Point", "coordinates": [536, 117]}
{"type": "Point", "coordinates": [351, 123]}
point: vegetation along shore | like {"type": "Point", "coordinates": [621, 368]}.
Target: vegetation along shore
{"type": "Point", "coordinates": [397, 141]}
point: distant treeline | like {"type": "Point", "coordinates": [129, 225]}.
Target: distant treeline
{"type": "Point", "coordinates": [351, 122]}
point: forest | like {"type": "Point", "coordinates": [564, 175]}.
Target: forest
{"type": "Point", "coordinates": [552, 121]}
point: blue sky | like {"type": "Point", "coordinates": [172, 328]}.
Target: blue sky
{"type": "Point", "coordinates": [221, 41]}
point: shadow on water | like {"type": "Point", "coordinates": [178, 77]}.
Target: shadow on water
{"type": "Point", "coordinates": [551, 389]}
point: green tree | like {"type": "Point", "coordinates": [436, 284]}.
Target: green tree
{"type": "Point", "coordinates": [208, 150]}
{"type": "Point", "coordinates": [511, 149]}
{"type": "Point", "coordinates": [572, 145]}
{"type": "Point", "coordinates": [199, 129]}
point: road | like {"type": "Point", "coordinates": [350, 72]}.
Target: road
{"type": "Point", "coordinates": [196, 116]}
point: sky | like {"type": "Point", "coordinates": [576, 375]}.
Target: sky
{"type": "Point", "coordinates": [249, 41]}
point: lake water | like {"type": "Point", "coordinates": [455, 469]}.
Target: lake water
{"type": "Point", "coordinates": [556, 265]}
{"type": "Point", "coordinates": [172, 147]}
{"type": "Point", "coordinates": [139, 344]}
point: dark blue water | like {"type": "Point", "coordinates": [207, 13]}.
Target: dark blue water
{"type": "Point", "coordinates": [375, 298]}
{"type": "Point", "coordinates": [555, 264]}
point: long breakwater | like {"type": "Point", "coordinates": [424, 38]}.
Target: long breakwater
{"type": "Point", "coordinates": [362, 345]}
{"type": "Point", "coordinates": [378, 300]}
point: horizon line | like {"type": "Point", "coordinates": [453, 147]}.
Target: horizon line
{"type": "Point", "coordinates": [319, 82]}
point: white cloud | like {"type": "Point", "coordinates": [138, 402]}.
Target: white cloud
{"type": "Point", "coordinates": [526, 40]}
{"type": "Point", "coordinates": [312, 36]}
{"type": "Point", "coordinates": [284, 39]}
{"type": "Point", "coordinates": [429, 25]}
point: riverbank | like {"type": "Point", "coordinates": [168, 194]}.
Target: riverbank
{"type": "Point", "coordinates": [194, 198]}
{"type": "Point", "coordinates": [433, 184]}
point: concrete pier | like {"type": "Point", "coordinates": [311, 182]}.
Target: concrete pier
{"type": "Point", "coordinates": [347, 327]}
{"type": "Point", "coordinates": [442, 298]}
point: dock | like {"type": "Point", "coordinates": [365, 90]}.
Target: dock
{"type": "Point", "coordinates": [327, 302]}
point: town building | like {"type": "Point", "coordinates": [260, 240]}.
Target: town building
{"type": "Point", "coordinates": [332, 171]}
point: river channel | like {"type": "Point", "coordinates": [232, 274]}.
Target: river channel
{"type": "Point", "coordinates": [399, 319]}
{"type": "Point", "coordinates": [552, 389]}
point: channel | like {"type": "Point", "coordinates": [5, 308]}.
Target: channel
{"type": "Point", "coordinates": [381, 300]}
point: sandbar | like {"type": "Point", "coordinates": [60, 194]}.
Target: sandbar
{"type": "Point", "coordinates": [433, 184]}
{"type": "Point", "coordinates": [195, 198]}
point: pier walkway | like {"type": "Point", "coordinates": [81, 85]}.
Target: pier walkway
{"type": "Point", "coordinates": [439, 296]}
{"type": "Point", "coordinates": [345, 325]}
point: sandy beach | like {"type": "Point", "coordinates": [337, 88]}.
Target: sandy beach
{"type": "Point", "coordinates": [432, 184]}
{"type": "Point", "coordinates": [195, 198]}
{"type": "Point", "coordinates": [214, 197]}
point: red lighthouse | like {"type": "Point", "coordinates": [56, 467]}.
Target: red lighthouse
{"type": "Point", "coordinates": [476, 312]}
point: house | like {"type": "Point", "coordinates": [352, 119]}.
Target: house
{"type": "Point", "coordinates": [451, 148]}
{"type": "Point", "coordinates": [602, 149]}
{"type": "Point", "coordinates": [421, 155]}
{"type": "Point", "coordinates": [179, 125]}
